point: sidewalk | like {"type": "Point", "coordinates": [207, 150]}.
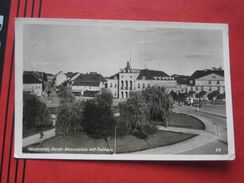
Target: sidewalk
{"type": "Point", "coordinates": [36, 138]}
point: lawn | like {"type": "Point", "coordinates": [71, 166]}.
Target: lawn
{"type": "Point", "coordinates": [184, 121]}
{"type": "Point", "coordinates": [84, 144]}
{"type": "Point", "coordinates": [130, 143]}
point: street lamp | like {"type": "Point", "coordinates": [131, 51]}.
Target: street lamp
{"type": "Point", "coordinates": [115, 142]}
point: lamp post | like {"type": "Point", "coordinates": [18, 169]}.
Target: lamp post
{"type": "Point", "coordinates": [115, 142]}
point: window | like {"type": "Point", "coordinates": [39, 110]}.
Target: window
{"type": "Point", "coordinates": [126, 94]}
{"type": "Point", "coordinates": [115, 85]}
{"type": "Point", "coordinates": [196, 88]}
{"type": "Point", "coordinates": [122, 94]}
{"type": "Point", "coordinates": [111, 85]}
{"type": "Point", "coordinates": [130, 76]}
{"type": "Point", "coordinates": [126, 84]}
{"type": "Point", "coordinates": [210, 89]}
{"type": "Point", "coordinates": [209, 82]}
{"type": "Point", "coordinates": [217, 82]}
{"type": "Point", "coordinates": [130, 85]}
{"type": "Point", "coordinates": [138, 85]}
{"type": "Point", "coordinates": [148, 85]}
{"type": "Point", "coordinates": [143, 85]}
{"type": "Point", "coordinates": [122, 84]}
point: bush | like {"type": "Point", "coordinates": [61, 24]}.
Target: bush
{"type": "Point", "coordinates": [139, 134]}
{"type": "Point", "coordinates": [150, 129]}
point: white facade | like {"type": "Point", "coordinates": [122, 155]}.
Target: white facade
{"type": "Point", "coordinates": [81, 89]}
{"type": "Point", "coordinates": [127, 81]}
{"type": "Point", "coordinates": [60, 78]}
{"type": "Point", "coordinates": [33, 88]}
{"type": "Point", "coordinates": [112, 85]}
{"type": "Point", "coordinates": [181, 88]}
{"type": "Point", "coordinates": [209, 83]}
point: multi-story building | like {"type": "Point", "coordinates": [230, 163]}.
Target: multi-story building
{"type": "Point", "coordinates": [128, 79]}
{"type": "Point", "coordinates": [87, 85]}
{"type": "Point", "coordinates": [31, 84]}
{"type": "Point", "coordinates": [208, 80]}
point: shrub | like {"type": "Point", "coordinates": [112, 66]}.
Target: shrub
{"type": "Point", "coordinates": [139, 134]}
{"type": "Point", "coordinates": [150, 129]}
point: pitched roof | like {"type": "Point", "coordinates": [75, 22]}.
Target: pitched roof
{"type": "Point", "coordinates": [70, 74]}
{"type": "Point", "coordinates": [112, 77]}
{"type": "Point", "coordinates": [29, 78]}
{"type": "Point", "coordinates": [181, 79]}
{"type": "Point", "coordinates": [150, 74]}
{"type": "Point", "coordinates": [200, 73]}
{"type": "Point", "coordinates": [91, 79]}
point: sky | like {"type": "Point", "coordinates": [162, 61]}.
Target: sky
{"type": "Point", "coordinates": [106, 49]}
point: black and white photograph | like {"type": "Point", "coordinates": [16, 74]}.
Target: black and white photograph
{"type": "Point", "coordinates": [122, 90]}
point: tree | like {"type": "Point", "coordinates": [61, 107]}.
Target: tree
{"type": "Point", "coordinates": [158, 102]}
{"type": "Point", "coordinates": [200, 94]}
{"type": "Point", "coordinates": [213, 94]}
{"type": "Point", "coordinates": [65, 94]}
{"type": "Point", "coordinates": [135, 111]}
{"type": "Point", "coordinates": [35, 113]}
{"type": "Point", "coordinates": [105, 98]}
{"type": "Point", "coordinates": [99, 121]}
{"type": "Point", "coordinates": [221, 96]}
{"type": "Point", "coordinates": [69, 118]}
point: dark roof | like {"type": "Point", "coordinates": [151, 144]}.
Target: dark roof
{"type": "Point", "coordinates": [88, 93]}
{"type": "Point", "coordinates": [92, 79]}
{"type": "Point", "coordinates": [150, 74]}
{"type": "Point", "coordinates": [29, 78]}
{"type": "Point", "coordinates": [49, 74]}
{"type": "Point", "coordinates": [41, 76]}
{"type": "Point", "coordinates": [200, 73]}
{"type": "Point", "coordinates": [181, 79]}
{"type": "Point", "coordinates": [70, 74]}
{"type": "Point", "coordinates": [112, 77]}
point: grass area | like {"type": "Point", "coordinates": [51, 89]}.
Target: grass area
{"type": "Point", "coordinates": [128, 143]}
{"type": "Point", "coordinates": [185, 121]}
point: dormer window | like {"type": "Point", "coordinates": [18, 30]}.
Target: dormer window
{"type": "Point", "coordinates": [143, 77]}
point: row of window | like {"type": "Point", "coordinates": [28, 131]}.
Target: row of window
{"type": "Point", "coordinates": [34, 87]}
{"type": "Point", "coordinates": [201, 88]}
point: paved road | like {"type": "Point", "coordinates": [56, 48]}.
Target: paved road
{"type": "Point", "coordinates": [212, 140]}
{"type": "Point", "coordinates": [214, 124]}
{"type": "Point", "coordinates": [36, 138]}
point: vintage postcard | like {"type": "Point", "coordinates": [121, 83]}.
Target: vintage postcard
{"type": "Point", "coordinates": [122, 90]}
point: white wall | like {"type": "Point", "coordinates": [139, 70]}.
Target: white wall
{"type": "Point", "coordinates": [35, 88]}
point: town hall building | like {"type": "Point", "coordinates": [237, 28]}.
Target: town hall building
{"type": "Point", "coordinates": [129, 79]}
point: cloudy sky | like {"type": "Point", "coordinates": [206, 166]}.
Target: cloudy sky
{"type": "Point", "coordinates": [106, 49]}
